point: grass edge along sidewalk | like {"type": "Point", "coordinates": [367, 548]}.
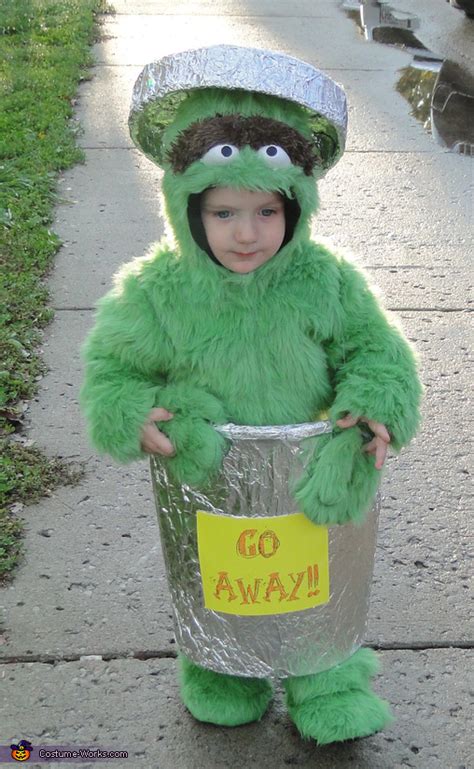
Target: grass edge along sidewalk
{"type": "Point", "coordinates": [44, 54]}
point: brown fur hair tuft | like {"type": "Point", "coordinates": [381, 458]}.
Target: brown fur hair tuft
{"type": "Point", "coordinates": [192, 143]}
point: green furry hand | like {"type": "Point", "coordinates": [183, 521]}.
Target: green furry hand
{"type": "Point", "coordinates": [380, 441]}
{"type": "Point", "coordinates": [199, 448]}
{"type": "Point", "coordinates": [340, 480]}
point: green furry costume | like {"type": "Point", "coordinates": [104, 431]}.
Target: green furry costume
{"type": "Point", "coordinates": [301, 334]}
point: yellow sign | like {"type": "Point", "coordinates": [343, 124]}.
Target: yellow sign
{"type": "Point", "coordinates": [253, 566]}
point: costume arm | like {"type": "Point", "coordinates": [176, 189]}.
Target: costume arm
{"type": "Point", "coordinates": [122, 354]}
{"type": "Point", "coordinates": [128, 355]}
{"type": "Point", "coordinates": [374, 367]}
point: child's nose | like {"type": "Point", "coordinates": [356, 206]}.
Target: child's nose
{"type": "Point", "coordinates": [246, 231]}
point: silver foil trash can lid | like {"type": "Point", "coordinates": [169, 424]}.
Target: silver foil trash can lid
{"type": "Point", "coordinates": [163, 84]}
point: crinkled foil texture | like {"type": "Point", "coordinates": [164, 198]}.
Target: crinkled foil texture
{"type": "Point", "coordinates": [257, 473]}
{"type": "Point", "coordinates": [230, 67]}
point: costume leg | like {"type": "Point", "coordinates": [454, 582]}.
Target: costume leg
{"type": "Point", "coordinates": [338, 705]}
{"type": "Point", "coordinates": [222, 699]}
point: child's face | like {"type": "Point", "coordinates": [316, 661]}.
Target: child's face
{"type": "Point", "coordinates": [244, 228]}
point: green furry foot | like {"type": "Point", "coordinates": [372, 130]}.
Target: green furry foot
{"type": "Point", "coordinates": [339, 717]}
{"type": "Point", "coordinates": [222, 699]}
{"type": "Point", "coordinates": [338, 705]}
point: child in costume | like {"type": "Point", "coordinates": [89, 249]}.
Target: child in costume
{"type": "Point", "coordinates": [245, 319]}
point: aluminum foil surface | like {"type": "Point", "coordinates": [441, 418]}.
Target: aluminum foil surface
{"type": "Point", "coordinates": [257, 475]}
{"type": "Point", "coordinates": [163, 84]}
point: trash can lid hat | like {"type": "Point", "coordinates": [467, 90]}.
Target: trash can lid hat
{"type": "Point", "coordinates": [164, 84]}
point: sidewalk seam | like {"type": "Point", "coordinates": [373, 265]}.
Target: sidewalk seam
{"type": "Point", "coordinates": [49, 659]}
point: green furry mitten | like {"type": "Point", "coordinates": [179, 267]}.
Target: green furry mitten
{"type": "Point", "coordinates": [338, 704]}
{"type": "Point", "coordinates": [199, 447]}
{"type": "Point", "coordinates": [340, 481]}
{"type": "Point", "coordinates": [222, 699]}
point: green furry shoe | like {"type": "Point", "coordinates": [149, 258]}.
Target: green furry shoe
{"type": "Point", "coordinates": [221, 699]}
{"type": "Point", "coordinates": [338, 705]}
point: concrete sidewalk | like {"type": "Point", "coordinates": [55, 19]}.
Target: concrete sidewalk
{"type": "Point", "coordinates": [88, 655]}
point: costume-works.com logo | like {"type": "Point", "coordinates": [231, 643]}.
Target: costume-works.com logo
{"type": "Point", "coordinates": [22, 751]}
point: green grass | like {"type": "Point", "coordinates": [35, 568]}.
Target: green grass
{"type": "Point", "coordinates": [26, 475]}
{"type": "Point", "coordinates": [44, 54]}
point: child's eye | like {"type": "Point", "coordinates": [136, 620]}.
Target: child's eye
{"type": "Point", "coordinates": [221, 153]}
{"type": "Point", "coordinates": [222, 214]}
{"type": "Point", "coordinates": [275, 156]}
{"type": "Point", "coordinates": [267, 211]}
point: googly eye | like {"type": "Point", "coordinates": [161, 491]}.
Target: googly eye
{"type": "Point", "coordinates": [275, 156]}
{"type": "Point", "coordinates": [221, 153]}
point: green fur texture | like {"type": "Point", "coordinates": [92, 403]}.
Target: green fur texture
{"type": "Point", "coordinates": [340, 481]}
{"type": "Point", "coordinates": [332, 706]}
{"type": "Point", "coordinates": [199, 447]}
{"type": "Point", "coordinates": [301, 334]}
{"type": "Point", "coordinates": [221, 699]}
{"type": "Point", "coordinates": [338, 705]}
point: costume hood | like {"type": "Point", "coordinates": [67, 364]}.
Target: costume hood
{"type": "Point", "coordinates": [278, 133]}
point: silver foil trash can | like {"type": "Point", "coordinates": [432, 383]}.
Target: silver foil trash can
{"type": "Point", "coordinates": [257, 589]}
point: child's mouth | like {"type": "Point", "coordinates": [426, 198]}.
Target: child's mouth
{"type": "Point", "coordinates": [243, 256]}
